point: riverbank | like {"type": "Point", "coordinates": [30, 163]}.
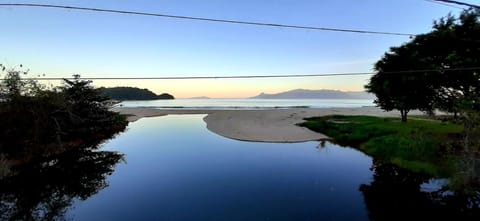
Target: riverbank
{"type": "Point", "coordinates": [273, 125]}
{"type": "Point", "coordinates": [420, 145]}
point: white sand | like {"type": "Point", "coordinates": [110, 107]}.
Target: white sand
{"type": "Point", "coordinates": [260, 125]}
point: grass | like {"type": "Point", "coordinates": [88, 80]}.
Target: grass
{"type": "Point", "coordinates": [420, 144]}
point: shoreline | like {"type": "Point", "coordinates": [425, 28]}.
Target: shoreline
{"type": "Point", "coordinates": [268, 125]}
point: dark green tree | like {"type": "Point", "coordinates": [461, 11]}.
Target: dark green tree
{"type": "Point", "coordinates": [86, 112]}
{"type": "Point", "coordinates": [37, 123]}
{"type": "Point", "coordinates": [396, 87]}
{"type": "Point", "coordinates": [82, 98]}
{"type": "Point", "coordinates": [13, 87]}
{"type": "Point", "coordinates": [453, 48]}
{"type": "Point", "coordinates": [450, 56]}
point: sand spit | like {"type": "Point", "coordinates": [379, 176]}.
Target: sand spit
{"type": "Point", "coordinates": [278, 125]}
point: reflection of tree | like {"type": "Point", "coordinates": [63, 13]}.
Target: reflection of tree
{"type": "Point", "coordinates": [468, 162]}
{"type": "Point", "coordinates": [395, 194]}
{"type": "Point", "coordinates": [44, 190]}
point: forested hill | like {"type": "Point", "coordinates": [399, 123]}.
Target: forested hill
{"type": "Point", "coordinates": [132, 93]}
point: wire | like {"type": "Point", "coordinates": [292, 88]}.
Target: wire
{"type": "Point", "coordinates": [459, 3]}
{"type": "Point", "coordinates": [445, 4]}
{"type": "Point", "coordinates": [261, 76]}
{"type": "Point", "coordinates": [209, 19]}
{"type": "Point", "coordinates": [207, 77]}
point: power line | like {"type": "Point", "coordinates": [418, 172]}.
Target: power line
{"type": "Point", "coordinates": [207, 77]}
{"type": "Point", "coordinates": [445, 4]}
{"type": "Point", "coordinates": [208, 19]}
{"type": "Point", "coordinates": [261, 76]}
{"type": "Point", "coordinates": [459, 3]}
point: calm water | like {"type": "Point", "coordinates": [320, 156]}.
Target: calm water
{"type": "Point", "coordinates": [248, 103]}
{"type": "Point", "coordinates": [177, 170]}
{"type": "Point", "coordinates": [173, 168]}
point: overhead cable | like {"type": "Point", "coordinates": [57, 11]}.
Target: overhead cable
{"type": "Point", "coordinates": [262, 76]}
{"type": "Point", "coordinates": [206, 19]}
{"type": "Point", "coordinates": [445, 4]}
{"type": "Point", "coordinates": [459, 3]}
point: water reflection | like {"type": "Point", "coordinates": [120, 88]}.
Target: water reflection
{"type": "Point", "coordinates": [178, 170]}
{"type": "Point", "coordinates": [45, 190]}
{"type": "Point", "coordinates": [181, 171]}
{"type": "Point", "coordinates": [397, 194]}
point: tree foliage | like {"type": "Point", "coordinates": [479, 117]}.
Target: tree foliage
{"type": "Point", "coordinates": [37, 122]}
{"type": "Point", "coordinates": [454, 44]}
{"type": "Point", "coordinates": [397, 88]}
{"type": "Point", "coordinates": [449, 56]}
{"type": "Point", "coordinates": [13, 87]}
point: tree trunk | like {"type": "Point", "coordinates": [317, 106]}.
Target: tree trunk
{"type": "Point", "coordinates": [404, 115]}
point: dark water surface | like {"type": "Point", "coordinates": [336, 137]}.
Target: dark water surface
{"type": "Point", "coordinates": [173, 168]}
{"type": "Point", "coordinates": [177, 170]}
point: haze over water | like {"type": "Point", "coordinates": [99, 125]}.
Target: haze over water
{"type": "Point", "coordinates": [249, 103]}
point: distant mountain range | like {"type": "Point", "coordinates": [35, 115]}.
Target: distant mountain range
{"type": "Point", "coordinates": [316, 94]}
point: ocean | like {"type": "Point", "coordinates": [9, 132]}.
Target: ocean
{"type": "Point", "coordinates": [248, 104]}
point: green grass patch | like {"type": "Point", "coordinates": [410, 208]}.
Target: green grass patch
{"type": "Point", "coordinates": [418, 144]}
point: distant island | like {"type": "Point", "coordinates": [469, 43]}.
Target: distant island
{"type": "Point", "coordinates": [132, 93]}
{"type": "Point", "coordinates": [201, 97]}
{"type": "Point", "coordinates": [316, 94]}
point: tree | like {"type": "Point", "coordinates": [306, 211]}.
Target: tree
{"type": "Point", "coordinates": [453, 48]}
{"type": "Point", "coordinates": [398, 89]}
{"type": "Point", "coordinates": [13, 87]}
{"type": "Point", "coordinates": [82, 97]}
{"type": "Point", "coordinates": [37, 123]}
{"type": "Point", "coordinates": [86, 114]}
{"type": "Point", "coordinates": [450, 56]}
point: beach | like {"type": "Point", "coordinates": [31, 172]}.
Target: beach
{"type": "Point", "coordinates": [272, 125]}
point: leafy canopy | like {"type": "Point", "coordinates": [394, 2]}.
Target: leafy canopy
{"type": "Point", "coordinates": [439, 69]}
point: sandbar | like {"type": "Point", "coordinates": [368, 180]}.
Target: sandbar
{"type": "Point", "coordinates": [272, 125]}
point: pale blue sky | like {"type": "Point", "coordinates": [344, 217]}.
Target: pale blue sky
{"type": "Point", "coordinates": [59, 43]}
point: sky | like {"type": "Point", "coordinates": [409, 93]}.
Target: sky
{"type": "Point", "coordinates": [60, 43]}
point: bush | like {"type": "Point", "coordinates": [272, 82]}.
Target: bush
{"type": "Point", "coordinates": [37, 122]}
